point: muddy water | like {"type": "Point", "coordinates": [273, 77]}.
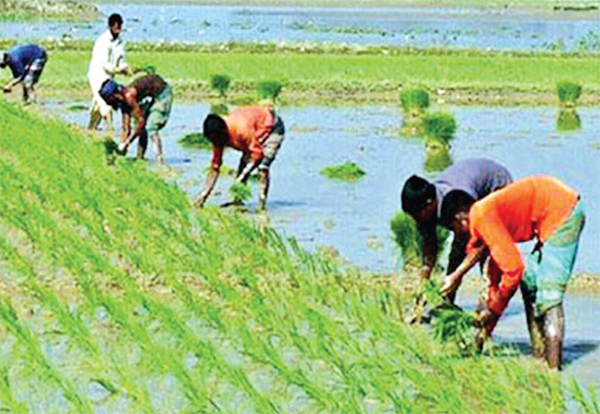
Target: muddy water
{"type": "Point", "coordinates": [354, 217]}
{"type": "Point", "coordinates": [422, 27]}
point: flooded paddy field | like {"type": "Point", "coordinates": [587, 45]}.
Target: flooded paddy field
{"type": "Point", "coordinates": [498, 29]}
{"type": "Point", "coordinates": [354, 217]}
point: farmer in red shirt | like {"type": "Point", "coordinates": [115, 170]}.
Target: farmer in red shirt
{"type": "Point", "coordinates": [253, 130]}
{"type": "Point", "coordinates": [541, 208]}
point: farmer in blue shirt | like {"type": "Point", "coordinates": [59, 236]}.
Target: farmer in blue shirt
{"type": "Point", "coordinates": [473, 178]}
{"type": "Point", "coordinates": [26, 63]}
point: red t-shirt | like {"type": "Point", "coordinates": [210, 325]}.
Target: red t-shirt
{"type": "Point", "coordinates": [248, 127]}
{"type": "Point", "coordinates": [532, 207]}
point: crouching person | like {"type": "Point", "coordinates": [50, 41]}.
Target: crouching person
{"type": "Point", "coordinates": [539, 208]}
{"type": "Point", "coordinates": [149, 100]}
{"type": "Point", "coordinates": [255, 131]}
{"type": "Point", "coordinates": [26, 63]}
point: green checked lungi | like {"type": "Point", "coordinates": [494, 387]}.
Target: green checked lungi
{"type": "Point", "coordinates": [545, 278]}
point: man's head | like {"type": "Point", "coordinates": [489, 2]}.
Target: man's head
{"type": "Point", "coordinates": [455, 211]}
{"type": "Point", "coordinates": [419, 199]}
{"type": "Point", "coordinates": [215, 130]}
{"type": "Point", "coordinates": [115, 24]}
{"type": "Point", "coordinates": [4, 59]}
{"type": "Point", "coordinates": [112, 93]}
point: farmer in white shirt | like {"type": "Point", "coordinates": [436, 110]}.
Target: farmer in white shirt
{"type": "Point", "coordinates": [108, 59]}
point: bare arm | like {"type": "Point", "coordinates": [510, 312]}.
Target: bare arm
{"type": "Point", "coordinates": [212, 177]}
{"type": "Point", "coordinates": [453, 280]}
{"type": "Point", "coordinates": [430, 249]}
{"type": "Point", "coordinates": [130, 98]}
{"type": "Point", "coordinates": [12, 83]}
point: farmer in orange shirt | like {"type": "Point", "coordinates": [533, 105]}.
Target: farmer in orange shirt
{"type": "Point", "coordinates": [541, 208]}
{"type": "Point", "coordinates": [255, 131]}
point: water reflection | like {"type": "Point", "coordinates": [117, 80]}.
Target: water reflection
{"type": "Point", "coordinates": [568, 120]}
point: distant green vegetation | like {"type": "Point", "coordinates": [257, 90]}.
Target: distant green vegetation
{"type": "Point", "coordinates": [116, 296]}
{"type": "Point", "coordinates": [440, 126]}
{"type": "Point", "coordinates": [503, 4]}
{"type": "Point", "coordinates": [336, 73]}
{"type": "Point", "coordinates": [196, 140]}
{"type": "Point", "coordinates": [348, 171]}
{"type": "Point", "coordinates": [220, 83]}
{"type": "Point", "coordinates": [269, 90]}
{"type": "Point", "coordinates": [568, 92]}
{"type": "Point", "coordinates": [414, 100]}
{"type": "Point", "coordinates": [58, 10]}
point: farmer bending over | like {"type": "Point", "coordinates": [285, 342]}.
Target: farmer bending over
{"type": "Point", "coordinates": [537, 208]}
{"type": "Point", "coordinates": [149, 100]}
{"type": "Point", "coordinates": [421, 199]}
{"type": "Point", "coordinates": [26, 63]}
{"type": "Point", "coordinates": [255, 131]}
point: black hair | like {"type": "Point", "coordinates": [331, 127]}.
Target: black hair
{"type": "Point", "coordinates": [454, 202]}
{"type": "Point", "coordinates": [416, 193]}
{"type": "Point", "coordinates": [115, 18]}
{"type": "Point", "coordinates": [215, 130]}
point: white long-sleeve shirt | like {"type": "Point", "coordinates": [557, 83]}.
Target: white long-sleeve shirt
{"type": "Point", "coordinates": [108, 55]}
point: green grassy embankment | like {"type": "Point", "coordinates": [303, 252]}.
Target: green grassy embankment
{"type": "Point", "coordinates": [116, 296]}
{"type": "Point", "coordinates": [330, 74]}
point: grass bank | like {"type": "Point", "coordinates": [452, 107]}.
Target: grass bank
{"type": "Point", "coordinates": [331, 74]}
{"type": "Point", "coordinates": [53, 10]}
{"type": "Point", "coordinates": [116, 297]}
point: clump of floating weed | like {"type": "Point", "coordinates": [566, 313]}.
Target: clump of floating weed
{"type": "Point", "coordinates": [196, 140]}
{"type": "Point", "coordinates": [77, 108]}
{"type": "Point", "coordinates": [269, 90]}
{"type": "Point", "coordinates": [414, 101]}
{"type": "Point", "coordinates": [440, 126]}
{"type": "Point", "coordinates": [240, 193]}
{"type": "Point", "coordinates": [348, 171]}
{"type": "Point", "coordinates": [568, 92]}
{"type": "Point", "coordinates": [588, 405]}
{"type": "Point", "coordinates": [407, 237]}
{"type": "Point", "coordinates": [220, 83]}
{"type": "Point", "coordinates": [568, 120]}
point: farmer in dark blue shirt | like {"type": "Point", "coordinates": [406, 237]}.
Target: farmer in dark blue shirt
{"type": "Point", "coordinates": [26, 63]}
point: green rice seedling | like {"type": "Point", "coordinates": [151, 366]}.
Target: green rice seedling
{"type": "Point", "coordinates": [36, 356]}
{"type": "Point", "coordinates": [409, 240]}
{"type": "Point", "coordinates": [588, 404]}
{"type": "Point", "coordinates": [568, 93]}
{"type": "Point", "coordinates": [220, 83]}
{"type": "Point", "coordinates": [269, 90]}
{"type": "Point", "coordinates": [240, 193]}
{"type": "Point", "coordinates": [9, 402]}
{"type": "Point", "coordinates": [220, 109]}
{"type": "Point", "coordinates": [568, 120]}
{"type": "Point", "coordinates": [414, 102]}
{"type": "Point", "coordinates": [77, 108]}
{"type": "Point", "coordinates": [452, 324]}
{"type": "Point", "coordinates": [196, 140]}
{"type": "Point", "coordinates": [349, 171]}
{"type": "Point", "coordinates": [440, 126]}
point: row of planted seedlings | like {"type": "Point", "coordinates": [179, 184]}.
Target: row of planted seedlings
{"type": "Point", "coordinates": [269, 326]}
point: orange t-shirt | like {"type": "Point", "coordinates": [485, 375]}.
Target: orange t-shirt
{"type": "Point", "coordinates": [248, 127]}
{"type": "Point", "coordinates": [532, 207]}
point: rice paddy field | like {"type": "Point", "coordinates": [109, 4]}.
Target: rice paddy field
{"type": "Point", "coordinates": [116, 296]}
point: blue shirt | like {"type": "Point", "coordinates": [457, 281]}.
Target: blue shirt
{"type": "Point", "coordinates": [22, 56]}
{"type": "Point", "coordinates": [475, 176]}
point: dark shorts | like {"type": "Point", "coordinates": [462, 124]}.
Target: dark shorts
{"type": "Point", "coordinates": [34, 72]}
{"type": "Point", "coordinates": [272, 144]}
